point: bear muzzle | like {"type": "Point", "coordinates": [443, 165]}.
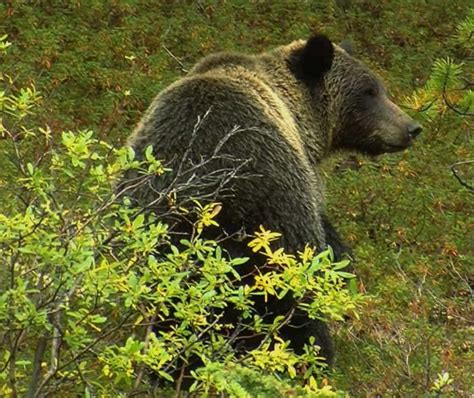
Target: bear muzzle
{"type": "Point", "coordinates": [414, 129]}
{"type": "Point", "coordinates": [398, 129]}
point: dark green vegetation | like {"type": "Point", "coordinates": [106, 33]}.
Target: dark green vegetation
{"type": "Point", "coordinates": [98, 64]}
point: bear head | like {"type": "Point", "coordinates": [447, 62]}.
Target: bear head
{"type": "Point", "coordinates": [361, 116]}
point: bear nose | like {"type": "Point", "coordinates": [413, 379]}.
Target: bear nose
{"type": "Point", "coordinates": [414, 129]}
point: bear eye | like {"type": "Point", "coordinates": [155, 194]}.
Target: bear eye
{"type": "Point", "coordinates": [370, 92]}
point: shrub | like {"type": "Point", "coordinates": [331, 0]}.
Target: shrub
{"type": "Point", "coordinates": [86, 276]}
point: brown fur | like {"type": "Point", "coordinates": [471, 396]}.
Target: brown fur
{"type": "Point", "coordinates": [276, 122]}
{"type": "Point", "coordinates": [289, 119]}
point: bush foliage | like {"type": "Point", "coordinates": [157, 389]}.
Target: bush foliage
{"type": "Point", "coordinates": [86, 277]}
{"type": "Point", "coordinates": [82, 278]}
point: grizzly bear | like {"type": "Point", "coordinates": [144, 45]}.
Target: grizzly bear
{"type": "Point", "coordinates": [250, 132]}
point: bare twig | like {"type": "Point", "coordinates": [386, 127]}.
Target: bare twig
{"type": "Point", "coordinates": [55, 347]}
{"type": "Point", "coordinates": [40, 350]}
{"type": "Point", "coordinates": [454, 109]}
{"type": "Point", "coordinates": [145, 348]}
{"type": "Point", "coordinates": [181, 65]}
{"type": "Point", "coordinates": [191, 180]}
{"type": "Point", "coordinates": [458, 177]}
{"type": "Point", "coordinates": [180, 381]}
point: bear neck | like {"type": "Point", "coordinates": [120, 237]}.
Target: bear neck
{"type": "Point", "coordinates": [307, 105]}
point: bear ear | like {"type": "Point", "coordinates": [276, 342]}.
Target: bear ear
{"type": "Point", "coordinates": [312, 61]}
{"type": "Point", "coordinates": [347, 46]}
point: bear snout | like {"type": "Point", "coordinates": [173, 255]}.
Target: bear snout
{"type": "Point", "coordinates": [414, 129]}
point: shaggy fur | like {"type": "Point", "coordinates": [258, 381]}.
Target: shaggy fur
{"type": "Point", "coordinates": [294, 106]}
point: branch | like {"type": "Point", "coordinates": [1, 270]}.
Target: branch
{"type": "Point", "coordinates": [455, 173]}
{"type": "Point", "coordinates": [181, 65]}
{"type": "Point", "coordinates": [55, 347]}
{"type": "Point", "coordinates": [145, 349]}
{"type": "Point", "coordinates": [190, 180]}
{"type": "Point", "coordinates": [40, 350]}
{"type": "Point", "coordinates": [446, 100]}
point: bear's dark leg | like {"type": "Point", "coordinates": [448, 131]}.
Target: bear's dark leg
{"type": "Point", "coordinates": [340, 249]}
{"type": "Point", "coordinates": [302, 328]}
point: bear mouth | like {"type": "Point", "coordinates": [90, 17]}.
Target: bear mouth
{"type": "Point", "coordinates": [390, 147]}
{"type": "Point", "coordinates": [397, 148]}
